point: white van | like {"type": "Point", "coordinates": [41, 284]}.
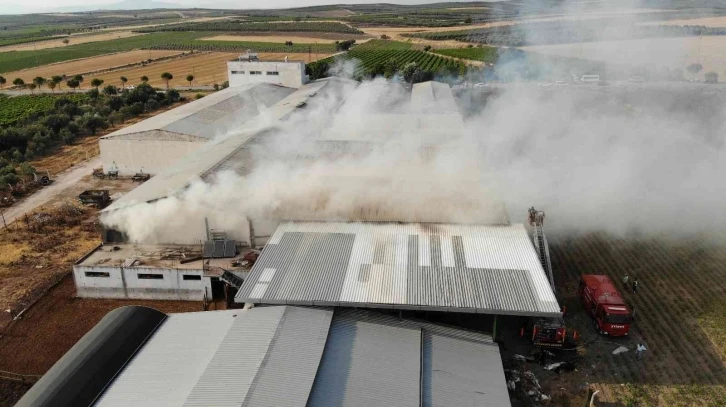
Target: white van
{"type": "Point", "coordinates": [590, 78]}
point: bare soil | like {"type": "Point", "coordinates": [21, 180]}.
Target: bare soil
{"type": "Point", "coordinates": [207, 68]}
{"type": "Point", "coordinates": [74, 40]}
{"type": "Point", "coordinates": [89, 65]}
{"type": "Point", "coordinates": [32, 344]}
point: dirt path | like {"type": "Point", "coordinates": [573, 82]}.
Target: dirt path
{"type": "Point", "coordinates": [62, 182]}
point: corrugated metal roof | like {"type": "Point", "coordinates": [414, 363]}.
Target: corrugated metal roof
{"type": "Point", "coordinates": [230, 373]}
{"type": "Point", "coordinates": [442, 267]}
{"type": "Point", "coordinates": [171, 362]}
{"type": "Point", "coordinates": [214, 154]}
{"type": "Point", "coordinates": [368, 364]}
{"type": "Point", "coordinates": [293, 359]}
{"type": "Point", "coordinates": [214, 114]}
{"type": "Point", "coordinates": [433, 97]}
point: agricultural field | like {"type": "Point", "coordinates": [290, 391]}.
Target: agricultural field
{"type": "Point", "coordinates": [540, 33]}
{"type": "Point", "coordinates": [680, 317]}
{"type": "Point", "coordinates": [483, 54]}
{"type": "Point", "coordinates": [88, 65]}
{"type": "Point", "coordinates": [322, 38]}
{"type": "Point", "coordinates": [383, 45]}
{"type": "Point", "coordinates": [237, 26]}
{"type": "Point", "coordinates": [242, 46]}
{"type": "Point", "coordinates": [674, 53]}
{"type": "Point", "coordinates": [207, 68]}
{"type": "Point", "coordinates": [44, 43]}
{"type": "Point", "coordinates": [13, 109]}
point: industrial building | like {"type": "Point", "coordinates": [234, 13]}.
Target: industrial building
{"type": "Point", "coordinates": [248, 69]}
{"type": "Point", "coordinates": [154, 144]}
{"type": "Point", "coordinates": [279, 356]}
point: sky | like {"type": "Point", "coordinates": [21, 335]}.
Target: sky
{"type": "Point", "coordinates": [37, 6]}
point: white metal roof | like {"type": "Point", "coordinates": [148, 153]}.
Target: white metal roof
{"type": "Point", "coordinates": [213, 115]}
{"type": "Point", "coordinates": [296, 357]}
{"type": "Point", "coordinates": [439, 267]}
{"type": "Point", "coordinates": [194, 166]}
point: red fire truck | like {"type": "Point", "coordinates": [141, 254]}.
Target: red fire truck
{"type": "Point", "coordinates": [606, 306]}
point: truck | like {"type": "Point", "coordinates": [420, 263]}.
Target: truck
{"type": "Point", "coordinates": [546, 332]}
{"type": "Point", "coordinates": [603, 302]}
{"type": "Point", "coordinates": [97, 198]}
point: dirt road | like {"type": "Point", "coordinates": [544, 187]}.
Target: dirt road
{"type": "Point", "coordinates": [63, 181]}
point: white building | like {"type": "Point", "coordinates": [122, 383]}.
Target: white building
{"type": "Point", "coordinates": [155, 143]}
{"type": "Point", "coordinates": [152, 272]}
{"type": "Point", "coordinates": [250, 71]}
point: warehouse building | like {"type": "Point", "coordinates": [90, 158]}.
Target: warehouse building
{"type": "Point", "coordinates": [278, 356]}
{"type": "Point", "coordinates": [154, 144]}
{"type": "Point", "coordinates": [491, 269]}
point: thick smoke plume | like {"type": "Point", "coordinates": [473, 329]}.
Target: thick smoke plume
{"type": "Point", "coordinates": [646, 158]}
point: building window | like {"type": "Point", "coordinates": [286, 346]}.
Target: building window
{"type": "Point", "coordinates": [144, 276]}
{"type": "Point", "coordinates": [97, 274]}
{"type": "Point", "coordinates": [192, 277]}
{"type": "Point", "coordinates": [255, 72]}
{"type": "Point", "coordinates": [238, 72]}
{"type": "Point", "coordinates": [273, 73]}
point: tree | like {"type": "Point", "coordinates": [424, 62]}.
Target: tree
{"type": "Point", "coordinates": [166, 76]}
{"type": "Point", "coordinates": [32, 87]}
{"type": "Point", "coordinates": [427, 48]}
{"type": "Point", "coordinates": [96, 83]}
{"type": "Point", "coordinates": [3, 81]}
{"type": "Point", "coordinates": [92, 122]}
{"type": "Point", "coordinates": [110, 90]}
{"type": "Point", "coordinates": [124, 80]}
{"type": "Point", "coordinates": [468, 20]}
{"type": "Point", "coordinates": [711, 77]}
{"type": "Point", "coordinates": [19, 83]}
{"type": "Point", "coordinates": [39, 81]}
{"type": "Point", "coordinates": [190, 78]}
{"type": "Point", "coordinates": [57, 79]}
{"type": "Point", "coordinates": [51, 86]}
{"type": "Point", "coordinates": [391, 68]}
{"type": "Point", "coordinates": [73, 84]}
{"type": "Point", "coordinates": [411, 72]}
{"type": "Point", "coordinates": [79, 79]}
{"type": "Point", "coordinates": [66, 41]}
{"type": "Point", "coordinates": [694, 69]}
{"type": "Point", "coordinates": [144, 79]}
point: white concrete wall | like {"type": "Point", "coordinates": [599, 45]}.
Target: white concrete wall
{"type": "Point", "coordinates": [289, 74]}
{"type": "Point", "coordinates": [132, 154]}
{"type": "Point", "coordinates": [125, 283]}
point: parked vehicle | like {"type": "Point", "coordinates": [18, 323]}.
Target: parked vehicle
{"type": "Point", "coordinates": [98, 198]}
{"type": "Point", "coordinates": [590, 78]}
{"type": "Point", "coordinates": [605, 305]}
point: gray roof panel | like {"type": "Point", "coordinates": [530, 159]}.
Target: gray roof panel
{"type": "Point", "coordinates": [463, 268]}
{"type": "Point", "coordinates": [287, 373]}
{"type": "Point", "coordinates": [368, 364]}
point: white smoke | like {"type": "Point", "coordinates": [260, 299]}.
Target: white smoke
{"type": "Point", "coordinates": [642, 158]}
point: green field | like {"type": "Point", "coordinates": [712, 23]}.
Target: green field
{"type": "Point", "coordinates": [237, 26]}
{"type": "Point", "coordinates": [484, 54]}
{"type": "Point", "coordinates": [184, 41]}
{"type": "Point", "coordinates": [382, 45]}
{"type": "Point", "coordinates": [13, 109]}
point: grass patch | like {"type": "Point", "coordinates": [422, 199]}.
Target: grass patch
{"type": "Point", "coordinates": [713, 324]}
{"type": "Point", "coordinates": [382, 45]}
{"type": "Point", "coordinates": [484, 54]}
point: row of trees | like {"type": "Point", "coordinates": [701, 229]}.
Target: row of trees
{"type": "Point", "coordinates": [77, 80]}
{"type": "Point", "coordinates": [39, 133]}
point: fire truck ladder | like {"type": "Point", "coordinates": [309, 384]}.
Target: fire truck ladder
{"type": "Point", "coordinates": [536, 219]}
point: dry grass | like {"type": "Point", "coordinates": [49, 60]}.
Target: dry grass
{"type": "Point", "coordinates": [74, 40]}
{"type": "Point", "coordinates": [88, 65]}
{"type": "Point", "coordinates": [207, 68]}
{"type": "Point", "coordinates": [707, 21]}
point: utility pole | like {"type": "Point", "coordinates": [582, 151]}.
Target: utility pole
{"type": "Point", "coordinates": [3, 216]}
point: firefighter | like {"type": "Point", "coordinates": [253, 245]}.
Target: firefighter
{"type": "Point", "coordinates": [625, 279]}
{"type": "Point", "coordinates": [639, 351]}
{"type": "Point", "coordinates": [635, 286]}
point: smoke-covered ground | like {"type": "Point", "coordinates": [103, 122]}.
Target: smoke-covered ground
{"type": "Point", "coordinates": [643, 158]}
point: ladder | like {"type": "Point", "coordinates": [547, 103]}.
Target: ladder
{"type": "Point", "coordinates": [231, 279]}
{"type": "Point", "coordinates": [540, 244]}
